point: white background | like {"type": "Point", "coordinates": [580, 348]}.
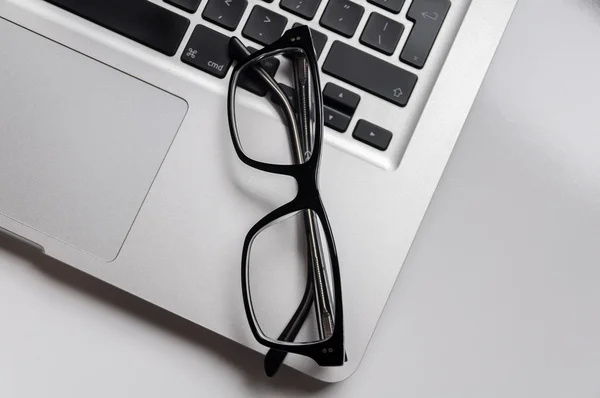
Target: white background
{"type": "Point", "coordinates": [500, 295]}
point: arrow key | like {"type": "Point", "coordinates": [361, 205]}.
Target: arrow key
{"type": "Point", "coordinates": [264, 26]}
{"type": "Point", "coordinates": [335, 119]}
{"type": "Point", "coordinates": [372, 135]}
{"type": "Point", "coordinates": [341, 99]}
{"type": "Point", "coordinates": [225, 13]}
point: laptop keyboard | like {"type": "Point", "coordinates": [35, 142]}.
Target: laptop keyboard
{"type": "Point", "coordinates": [354, 62]}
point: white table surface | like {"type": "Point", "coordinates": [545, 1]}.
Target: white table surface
{"type": "Point", "coordinates": [500, 295]}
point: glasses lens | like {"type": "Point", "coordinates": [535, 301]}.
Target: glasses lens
{"type": "Point", "coordinates": [274, 106]}
{"type": "Point", "coordinates": [290, 264]}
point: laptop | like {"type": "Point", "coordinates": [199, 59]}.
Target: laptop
{"type": "Point", "coordinates": [116, 156]}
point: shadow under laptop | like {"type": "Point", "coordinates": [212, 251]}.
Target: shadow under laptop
{"type": "Point", "coordinates": [249, 363]}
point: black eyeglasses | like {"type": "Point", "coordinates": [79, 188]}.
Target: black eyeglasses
{"type": "Point", "coordinates": [289, 260]}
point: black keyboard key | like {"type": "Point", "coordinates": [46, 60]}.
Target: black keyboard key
{"type": "Point", "coordinates": [341, 99]}
{"type": "Point", "coordinates": [208, 51]}
{"type": "Point", "coordinates": [382, 33]}
{"type": "Point", "coordinates": [428, 17]}
{"type": "Point", "coordinates": [335, 119]}
{"type": "Point", "coordinates": [390, 5]}
{"type": "Point", "coordinates": [303, 8]}
{"type": "Point", "coordinates": [342, 16]}
{"type": "Point", "coordinates": [319, 39]}
{"type": "Point", "coordinates": [252, 82]}
{"type": "Point", "coordinates": [138, 20]}
{"type": "Point", "coordinates": [264, 26]}
{"type": "Point", "coordinates": [225, 13]}
{"type": "Point", "coordinates": [372, 135]}
{"type": "Point", "coordinates": [370, 73]}
{"type": "Point", "coordinates": [186, 5]}
{"type": "Point", "coordinates": [289, 92]}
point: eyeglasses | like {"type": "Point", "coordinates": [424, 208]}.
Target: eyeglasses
{"type": "Point", "coordinates": [290, 267]}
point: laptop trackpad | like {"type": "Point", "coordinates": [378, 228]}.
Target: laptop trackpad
{"type": "Point", "coordinates": [81, 142]}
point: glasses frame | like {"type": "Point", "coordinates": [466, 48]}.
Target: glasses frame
{"type": "Point", "coordinates": [329, 352]}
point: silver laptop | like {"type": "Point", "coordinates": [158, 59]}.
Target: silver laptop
{"type": "Point", "coordinates": [116, 157]}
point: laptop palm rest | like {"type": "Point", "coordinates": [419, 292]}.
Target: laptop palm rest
{"type": "Point", "coordinates": [81, 142]}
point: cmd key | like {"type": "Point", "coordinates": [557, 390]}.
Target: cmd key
{"type": "Point", "coordinates": [208, 51]}
{"type": "Point", "coordinates": [138, 20]}
{"type": "Point", "coordinates": [370, 73]}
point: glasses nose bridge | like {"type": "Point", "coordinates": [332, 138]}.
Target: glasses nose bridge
{"type": "Point", "coordinates": [308, 189]}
